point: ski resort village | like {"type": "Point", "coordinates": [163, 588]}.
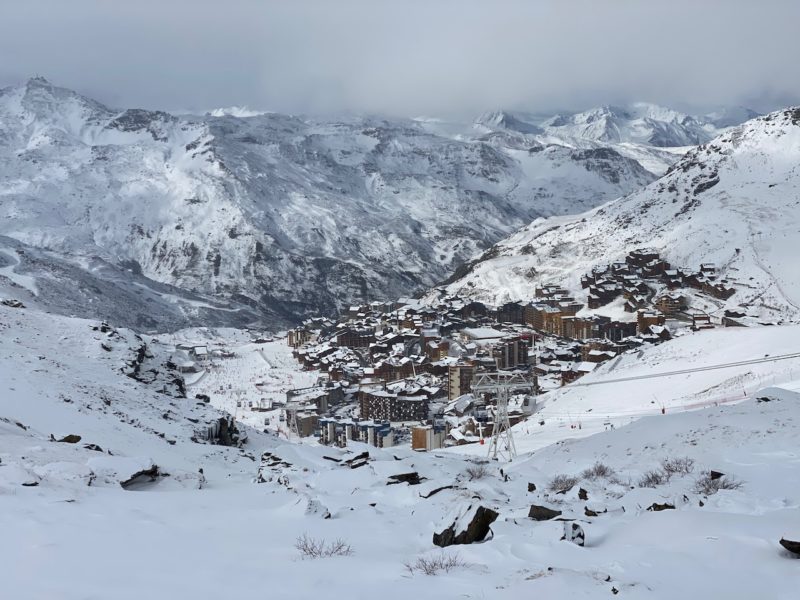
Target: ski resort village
{"type": "Point", "coordinates": [549, 353]}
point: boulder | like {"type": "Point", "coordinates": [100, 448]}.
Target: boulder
{"type": "Point", "coordinates": [656, 507]}
{"type": "Point", "coordinates": [542, 513]}
{"type": "Point", "coordinates": [791, 546]}
{"type": "Point", "coordinates": [473, 526]}
{"type": "Point", "coordinates": [531, 487]}
{"type": "Point", "coordinates": [574, 533]}
{"type": "Point", "coordinates": [140, 477]}
{"type": "Point", "coordinates": [70, 439]}
{"type": "Point", "coordinates": [409, 478]}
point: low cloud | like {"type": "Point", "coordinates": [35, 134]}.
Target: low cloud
{"type": "Point", "coordinates": [407, 57]}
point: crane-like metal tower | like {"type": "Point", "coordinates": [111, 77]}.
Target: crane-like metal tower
{"type": "Point", "coordinates": [503, 384]}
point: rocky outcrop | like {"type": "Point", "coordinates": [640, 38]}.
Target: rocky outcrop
{"type": "Point", "coordinates": [542, 513]}
{"type": "Point", "coordinates": [472, 526]}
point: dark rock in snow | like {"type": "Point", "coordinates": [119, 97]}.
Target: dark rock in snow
{"type": "Point", "coordinates": [409, 478]}
{"type": "Point", "coordinates": [476, 528]}
{"type": "Point", "coordinates": [583, 494]}
{"type": "Point", "coordinates": [655, 507]}
{"type": "Point", "coordinates": [715, 475]}
{"type": "Point", "coordinates": [141, 477]}
{"type": "Point", "coordinates": [791, 546]}
{"type": "Point", "coordinates": [542, 513]}
{"type": "Point", "coordinates": [70, 439]}
{"type": "Point", "coordinates": [531, 487]}
{"type": "Point", "coordinates": [574, 533]}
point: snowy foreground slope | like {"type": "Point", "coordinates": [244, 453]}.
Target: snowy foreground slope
{"type": "Point", "coordinates": [734, 201]}
{"type": "Point", "coordinates": [184, 535]}
{"type": "Point", "coordinates": [287, 215]}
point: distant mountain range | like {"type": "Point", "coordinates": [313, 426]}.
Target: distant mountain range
{"type": "Point", "coordinates": [237, 217]}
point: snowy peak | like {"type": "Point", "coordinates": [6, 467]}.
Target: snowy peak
{"type": "Point", "coordinates": [641, 123]}
{"type": "Point", "coordinates": [503, 120]}
{"type": "Point", "coordinates": [636, 123]}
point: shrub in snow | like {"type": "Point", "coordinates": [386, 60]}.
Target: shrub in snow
{"type": "Point", "coordinates": [653, 479]}
{"type": "Point", "coordinates": [677, 466]}
{"type": "Point", "coordinates": [478, 471]}
{"type": "Point", "coordinates": [309, 547]}
{"type": "Point", "coordinates": [708, 485]}
{"type": "Point", "coordinates": [562, 483]}
{"type": "Point", "coordinates": [598, 471]}
{"type": "Point", "coordinates": [434, 565]}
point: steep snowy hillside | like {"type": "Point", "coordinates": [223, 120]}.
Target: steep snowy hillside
{"type": "Point", "coordinates": [94, 518]}
{"type": "Point", "coordinates": [91, 287]}
{"type": "Point", "coordinates": [734, 202]}
{"type": "Point", "coordinates": [290, 215]}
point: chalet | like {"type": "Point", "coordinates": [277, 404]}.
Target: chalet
{"type": "Point", "coordinates": [672, 278]}
{"type": "Point", "coordinates": [574, 371]}
{"type": "Point", "coordinates": [655, 268]}
{"type": "Point", "coordinates": [602, 293]}
{"type": "Point", "coordinates": [394, 368]}
{"type": "Point", "coordinates": [701, 321]}
{"type": "Point", "coordinates": [708, 269]}
{"type": "Point", "coordinates": [646, 318]}
{"type": "Point", "coordinates": [671, 304]}
{"type": "Point", "coordinates": [659, 331]}
{"type": "Point", "coordinates": [437, 350]}
{"type": "Point", "coordinates": [641, 257]}
{"type": "Point", "coordinates": [352, 337]}
{"type": "Point", "coordinates": [598, 356]}
{"type": "Point", "coordinates": [717, 290]}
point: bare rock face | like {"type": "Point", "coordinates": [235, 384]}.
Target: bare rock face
{"type": "Point", "coordinates": [542, 513]}
{"type": "Point", "coordinates": [472, 526]}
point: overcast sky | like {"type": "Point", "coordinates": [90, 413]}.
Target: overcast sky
{"type": "Point", "coordinates": [409, 57]}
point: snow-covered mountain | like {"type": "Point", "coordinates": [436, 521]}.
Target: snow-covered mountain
{"type": "Point", "coordinates": [280, 216]}
{"type": "Point", "coordinates": [291, 215]}
{"type": "Point", "coordinates": [734, 202]}
{"type": "Point", "coordinates": [639, 123]}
